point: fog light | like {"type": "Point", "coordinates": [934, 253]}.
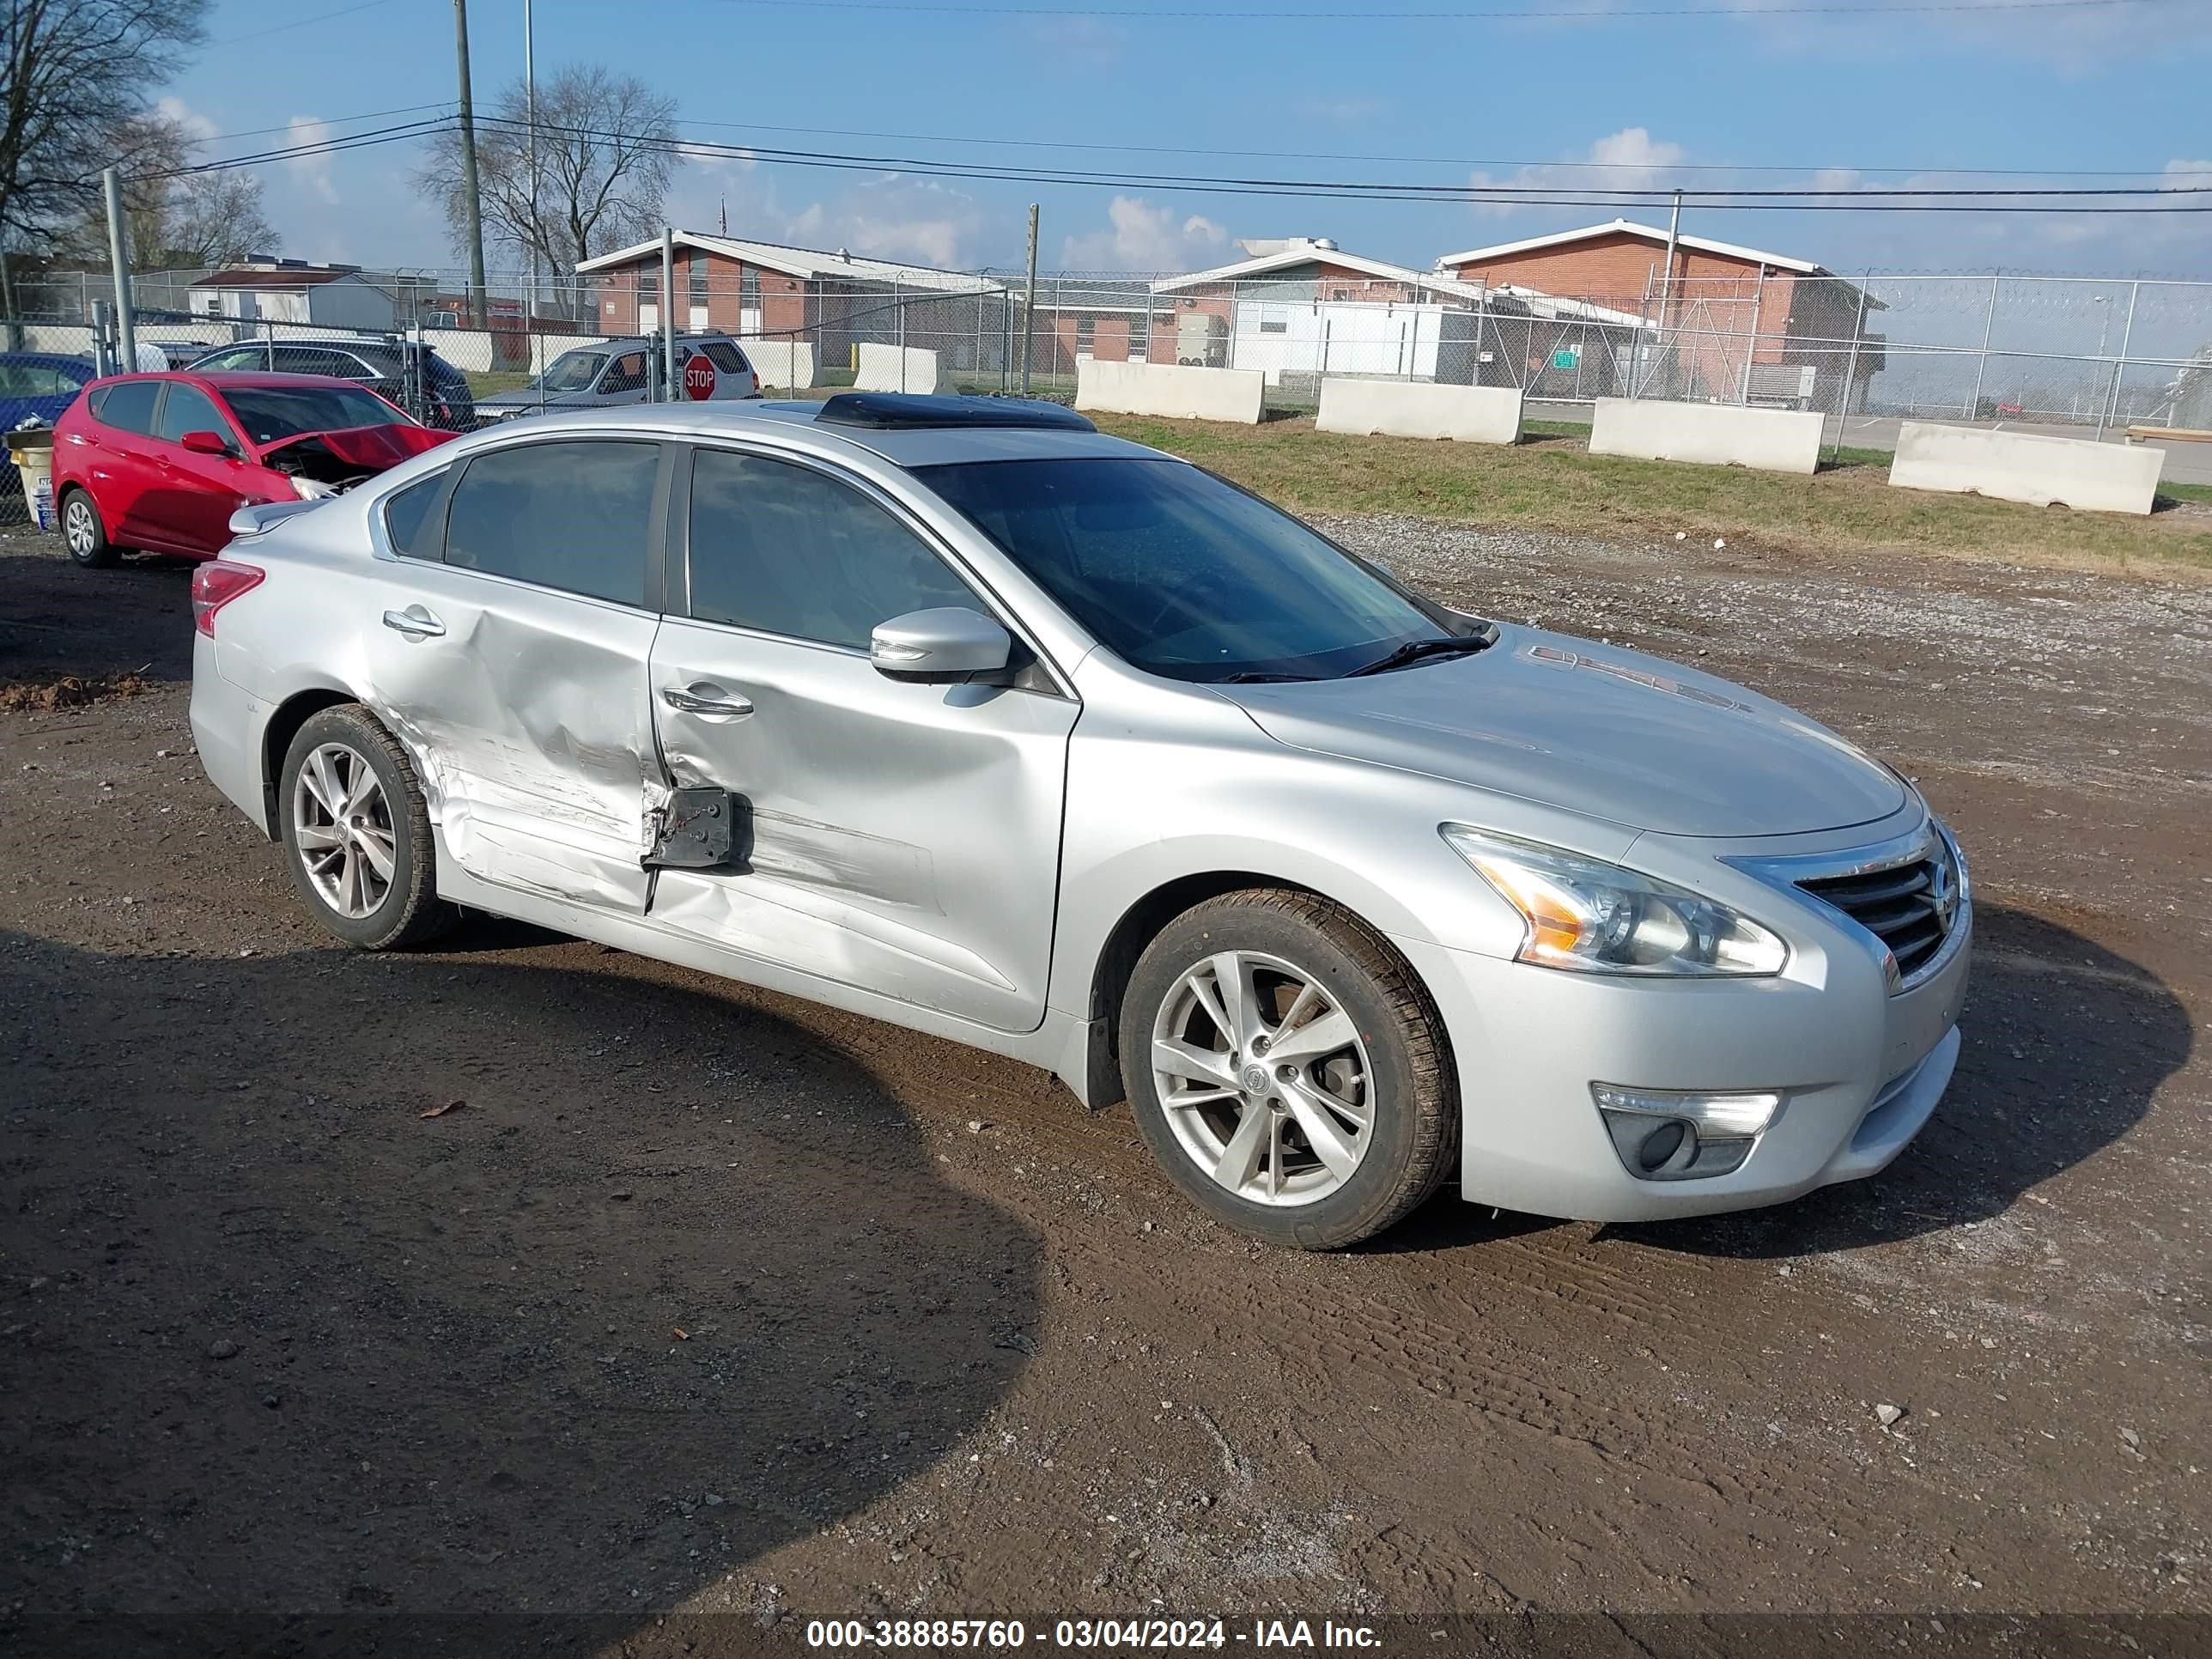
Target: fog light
{"type": "Point", "coordinates": [1664, 1134]}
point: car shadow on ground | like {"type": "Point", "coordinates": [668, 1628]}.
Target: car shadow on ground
{"type": "Point", "coordinates": [56, 619]}
{"type": "Point", "coordinates": [673, 1287]}
{"type": "Point", "coordinates": [2066, 1044]}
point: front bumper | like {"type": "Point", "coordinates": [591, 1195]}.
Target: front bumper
{"type": "Point", "coordinates": [1860, 1071]}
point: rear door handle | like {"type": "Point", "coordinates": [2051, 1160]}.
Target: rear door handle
{"type": "Point", "coordinates": [415, 622]}
{"type": "Point", "coordinates": [705, 697]}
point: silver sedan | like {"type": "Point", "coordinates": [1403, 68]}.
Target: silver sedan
{"type": "Point", "coordinates": [957, 713]}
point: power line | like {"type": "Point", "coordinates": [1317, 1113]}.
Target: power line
{"type": "Point", "coordinates": [297, 23]}
{"type": "Point", "coordinates": [1670, 169]}
{"type": "Point", "coordinates": [1355, 190]}
{"type": "Point", "coordinates": [324, 120]}
{"type": "Point", "coordinates": [920, 8]}
{"type": "Point", "coordinates": [403, 133]}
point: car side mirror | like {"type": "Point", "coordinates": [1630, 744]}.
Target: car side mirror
{"type": "Point", "coordinates": [948, 644]}
{"type": "Point", "coordinates": [205, 443]}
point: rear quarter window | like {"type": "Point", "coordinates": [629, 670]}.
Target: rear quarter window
{"type": "Point", "coordinates": [407, 516]}
{"type": "Point", "coordinates": [727, 357]}
{"type": "Point", "coordinates": [128, 407]}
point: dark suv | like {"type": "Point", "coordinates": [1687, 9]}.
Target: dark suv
{"type": "Point", "coordinates": [436, 393]}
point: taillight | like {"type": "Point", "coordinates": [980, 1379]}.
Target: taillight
{"type": "Point", "coordinates": [215, 584]}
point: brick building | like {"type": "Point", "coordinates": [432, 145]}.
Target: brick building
{"type": "Point", "coordinates": [1737, 323]}
{"type": "Point", "coordinates": [828, 299]}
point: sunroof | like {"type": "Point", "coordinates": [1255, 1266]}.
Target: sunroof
{"type": "Point", "coordinates": [891, 411]}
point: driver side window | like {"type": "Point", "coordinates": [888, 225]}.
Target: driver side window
{"type": "Point", "coordinates": [786, 549]}
{"type": "Point", "coordinates": [625, 373]}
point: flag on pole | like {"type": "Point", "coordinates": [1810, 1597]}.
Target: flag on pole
{"type": "Point", "coordinates": [725, 216]}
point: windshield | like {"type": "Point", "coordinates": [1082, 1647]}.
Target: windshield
{"type": "Point", "coordinates": [1183, 575]}
{"type": "Point", "coordinates": [271, 414]}
{"type": "Point", "coordinates": [572, 371]}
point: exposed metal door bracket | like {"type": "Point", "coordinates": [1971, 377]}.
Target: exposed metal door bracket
{"type": "Point", "coordinates": [695, 830]}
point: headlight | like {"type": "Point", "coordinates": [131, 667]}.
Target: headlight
{"type": "Point", "coordinates": [311, 489]}
{"type": "Point", "coordinates": [1598, 918]}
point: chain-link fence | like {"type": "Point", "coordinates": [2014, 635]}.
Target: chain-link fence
{"type": "Point", "coordinates": [2093, 356]}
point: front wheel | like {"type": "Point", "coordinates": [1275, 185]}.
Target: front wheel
{"type": "Point", "coordinates": [1287, 1069]}
{"type": "Point", "coordinates": [83, 531]}
{"type": "Point", "coordinates": [358, 834]}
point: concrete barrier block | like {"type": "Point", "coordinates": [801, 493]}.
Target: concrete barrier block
{"type": "Point", "coordinates": [1715, 435]}
{"type": "Point", "coordinates": [786, 365]}
{"type": "Point", "coordinates": [900, 368]}
{"type": "Point", "coordinates": [1181, 392]}
{"type": "Point", "coordinates": [2020, 466]}
{"type": "Point", "coordinates": [1416, 408]}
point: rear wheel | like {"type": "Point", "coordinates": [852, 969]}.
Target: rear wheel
{"type": "Point", "coordinates": [82, 531]}
{"type": "Point", "coordinates": [1287, 1070]}
{"type": "Point", "coordinates": [358, 834]}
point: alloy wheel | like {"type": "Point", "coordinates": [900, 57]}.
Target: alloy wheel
{"type": "Point", "coordinates": [78, 528]}
{"type": "Point", "coordinates": [342, 828]}
{"type": "Point", "coordinates": [1263, 1077]}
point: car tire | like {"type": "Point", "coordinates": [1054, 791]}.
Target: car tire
{"type": "Point", "coordinates": [357, 834]}
{"type": "Point", "coordinates": [83, 531]}
{"type": "Point", "coordinates": [1348, 1138]}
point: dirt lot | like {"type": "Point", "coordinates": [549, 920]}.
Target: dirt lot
{"type": "Point", "coordinates": [709, 1313]}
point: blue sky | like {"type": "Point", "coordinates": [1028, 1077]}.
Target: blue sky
{"type": "Point", "coordinates": [2116, 88]}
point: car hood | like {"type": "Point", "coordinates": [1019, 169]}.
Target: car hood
{"type": "Point", "coordinates": [369, 448]}
{"type": "Point", "coordinates": [1607, 733]}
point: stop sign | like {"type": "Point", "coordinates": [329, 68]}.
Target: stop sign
{"type": "Point", "coordinates": [699, 376]}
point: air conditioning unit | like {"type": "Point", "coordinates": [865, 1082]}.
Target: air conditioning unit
{"type": "Point", "coordinates": [1201, 339]}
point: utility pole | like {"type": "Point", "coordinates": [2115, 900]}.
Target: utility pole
{"type": "Point", "coordinates": [119, 254]}
{"type": "Point", "coordinates": [673, 392]}
{"type": "Point", "coordinates": [530, 113]}
{"type": "Point", "coordinates": [1029, 305]}
{"type": "Point", "coordinates": [468, 185]}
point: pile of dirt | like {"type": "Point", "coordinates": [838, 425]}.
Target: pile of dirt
{"type": "Point", "coordinates": [71, 691]}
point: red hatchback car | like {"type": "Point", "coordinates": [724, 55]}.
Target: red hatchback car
{"type": "Point", "coordinates": [161, 461]}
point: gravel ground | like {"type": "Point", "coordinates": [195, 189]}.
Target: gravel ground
{"type": "Point", "coordinates": [710, 1312]}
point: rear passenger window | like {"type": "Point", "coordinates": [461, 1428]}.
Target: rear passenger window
{"type": "Point", "coordinates": [576, 516]}
{"type": "Point", "coordinates": [407, 512]}
{"type": "Point", "coordinates": [789, 550]}
{"type": "Point", "coordinates": [727, 357]}
{"type": "Point", "coordinates": [128, 407]}
{"type": "Point", "coordinates": [625, 373]}
{"type": "Point", "coordinates": [308, 360]}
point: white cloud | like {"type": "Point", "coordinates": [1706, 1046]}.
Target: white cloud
{"type": "Point", "coordinates": [313, 171]}
{"type": "Point", "coordinates": [1631, 159]}
{"type": "Point", "coordinates": [1141, 236]}
{"type": "Point", "coordinates": [2187, 175]}
{"type": "Point", "coordinates": [890, 217]}
{"type": "Point", "coordinates": [194, 126]}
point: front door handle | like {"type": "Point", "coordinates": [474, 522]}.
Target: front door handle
{"type": "Point", "coordinates": [705, 697]}
{"type": "Point", "coordinates": [415, 622]}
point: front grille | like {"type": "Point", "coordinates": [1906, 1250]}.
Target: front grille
{"type": "Point", "coordinates": [1908, 906]}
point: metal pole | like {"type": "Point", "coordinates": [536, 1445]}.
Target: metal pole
{"type": "Point", "coordinates": [2120, 363]}
{"type": "Point", "coordinates": [1674, 239]}
{"type": "Point", "coordinates": [118, 255]}
{"type": "Point", "coordinates": [530, 113]}
{"type": "Point", "coordinates": [1851, 370]}
{"type": "Point", "coordinates": [1751, 347]}
{"type": "Point", "coordinates": [668, 312]}
{"type": "Point", "coordinates": [1029, 304]}
{"type": "Point", "coordinates": [469, 187]}
{"type": "Point", "coordinates": [1982, 367]}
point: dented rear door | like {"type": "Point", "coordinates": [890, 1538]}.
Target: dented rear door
{"type": "Point", "coordinates": [900, 838]}
{"type": "Point", "coordinates": [515, 665]}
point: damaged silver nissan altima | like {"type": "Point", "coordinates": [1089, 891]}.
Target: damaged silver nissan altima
{"type": "Point", "coordinates": [958, 713]}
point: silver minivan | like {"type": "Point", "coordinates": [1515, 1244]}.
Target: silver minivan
{"type": "Point", "coordinates": [710, 367]}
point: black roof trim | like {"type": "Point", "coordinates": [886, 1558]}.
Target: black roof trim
{"type": "Point", "coordinates": [893, 411]}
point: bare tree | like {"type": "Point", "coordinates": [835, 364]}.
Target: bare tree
{"type": "Point", "coordinates": [176, 218]}
{"type": "Point", "coordinates": [77, 76]}
{"type": "Point", "coordinates": [606, 152]}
